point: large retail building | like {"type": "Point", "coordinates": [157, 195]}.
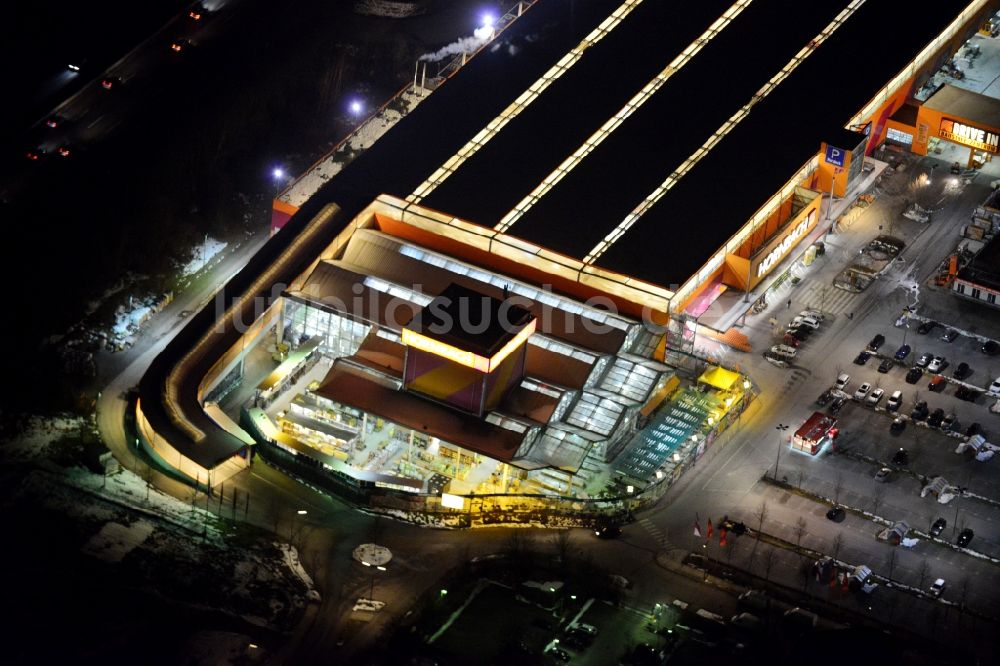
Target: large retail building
{"type": "Point", "coordinates": [624, 186]}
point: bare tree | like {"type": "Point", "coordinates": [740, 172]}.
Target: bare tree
{"type": "Point", "coordinates": [564, 548]}
{"type": "Point", "coordinates": [877, 498]}
{"type": "Point", "coordinates": [731, 549]}
{"type": "Point", "coordinates": [760, 513]}
{"type": "Point", "coordinates": [922, 571]}
{"type": "Point", "coordinates": [890, 564]}
{"type": "Point", "coordinates": [838, 543]}
{"type": "Point", "coordinates": [963, 593]}
{"type": "Point", "coordinates": [838, 487]}
{"type": "Point", "coordinates": [800, 531]}
{"type": "Point", "coordinates": [770, 559]}
{"type": "Point", "coordinates": [806, 572]}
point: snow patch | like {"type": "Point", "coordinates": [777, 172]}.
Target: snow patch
{"type": "Point", "coordinates": [114, 541]}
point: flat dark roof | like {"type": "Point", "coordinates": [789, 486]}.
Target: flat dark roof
{"type": "Point", "coordinates": [982, 110]}
{"type": "Point", "coordinates": [672, 241]}
{"type": "Point", "coordinates": [470, 320]}
{"type": "Point", "coordinates": [984, 269]}
{"type": "Point", "coordinates": [906, 114]}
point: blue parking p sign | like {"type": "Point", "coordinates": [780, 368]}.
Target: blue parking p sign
{"type": "Point", "coordinates": [834, 156]}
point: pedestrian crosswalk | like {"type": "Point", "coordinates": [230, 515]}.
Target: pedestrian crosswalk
{"type": "Point", "coordinates": [826, 298]}
{"type": "Point", "coordinates": [654, 531]}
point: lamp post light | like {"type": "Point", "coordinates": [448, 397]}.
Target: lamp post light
{"type": "Point", "coordinates": [781, 428]}
{"type": "Point", "coordinates": [356, 107]}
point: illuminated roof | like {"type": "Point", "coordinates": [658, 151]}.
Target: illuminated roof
{"type": "Point", "coordinates": [347, 387]}
{"type": "Point", "coordinates": [469, 321]}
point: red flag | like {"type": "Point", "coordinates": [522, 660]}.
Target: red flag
{"type": "Point", "coordinates": [722, 536]}
{"type": "Point", "coordinates": [697, 528]}
{"type": "Point", "coordinates": [708, 534]}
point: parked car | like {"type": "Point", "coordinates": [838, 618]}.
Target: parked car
{"type": "Point", "coordinates": [925, 359]}
{"type": "Point", "coordinates": [886, 365]}
{"type": "Point", "coordinates": [836, 514]}
{"type": "Point", "coordinates": [920, 411]}
{"type": "Point", "coordinates": [974, 429]}
{"type": "Point", "coordinates": [805, 321]}
{"type": "Point", "coordinates": [784, 350]}
{"type": "Point", "coordinates": [966, 393]}
{"type": "Point", "coordinates": [949, 423]}
{"type": "Point", "coordinates": [560, 654]}
{"type": "Point", "coordinates": [913, 375]}
{"type": "Point", "coordinates": [937, 364]}
{"type": "Point", "coordinates": [791, 340]}
{"type": "Point", "coordinates": [607, 531]}
{"type": "Point", "coordinates": [902, 352]}
{"type": "Point", "coordinates": [862, 358]}
{"type": "Point", "coordinates": [994, 389]}
{"type": "Point", "coordinates": [901, 457]}
{"type": "Point", "coordinates": [964, 537]}
{"type": "Point", "coordinates": [813, 314]}
{"type": "Point", "coordinates": [937, 384]}
{"type": "Point", "coordinates": [950, 335]}
{"type": "Point", "coordinates": [936, 417]}
{"type": "Point", "coordinates": [800, 333]}
{"type": "Point", "coordinates": [862, 391]}
{"type": "Point", "coordinates": [926, 327]}
{"type": "Point", "coordinates": [837, 405]}
{"type": "Point", "coordinates": [938, 526]}
{"type": "Point", "coordinates": [843, 379]}
{"type": "Point", "coordinates": [883, 475]}
{"type": "Point", "coordinates": [824, 398]}
{"type": "Point", "coordinates": [876, 342]}
{"type": "Point", "coordinates": [937, 587]}
{"type": "Point", "coordinates": [962, 371]}
{"type": "Point", "coordinates": [990, 348]}
{"type": "Point", "coordinates": [874, 397]}
{"type": "Point", "coordinates": [584, 628]}
{"type": "Point", "coordinates": [895, 400]}
{"type": "Point", "coordinates": [897, 426]}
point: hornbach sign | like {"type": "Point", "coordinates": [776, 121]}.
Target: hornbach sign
{"type": "Point", "coordinates": [779, 246]}
{"type": "Point", "coordinates": [969, 136]}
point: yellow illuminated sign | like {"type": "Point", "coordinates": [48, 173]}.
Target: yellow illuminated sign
{"type": "Point", "coordinates": [463, 357]}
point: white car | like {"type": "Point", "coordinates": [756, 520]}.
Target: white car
{"type": "Point", "coordinates": [938, 587]}
{"type": "Point", "coordinates": [784, 350]}
{"type": "Point", "coordinates": [994, 390]}
{"type": "Point", "coordinates": [812, 314]}
{"type": "Point", "coordinates": [937, 364]}
{"type": "Point", "coordinates": [895, 400]}
{"type": "Point", "coordinates": [874, 397]}
{"type": "Point", "coordinates": [805, 321]}
{"type": "Point", "coordinates": [842, 381]}
{"type": "Point", "coordinates": [862, 391]}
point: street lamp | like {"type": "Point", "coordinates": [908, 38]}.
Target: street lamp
{"type": "Point", "coordinates": [781, 428]}
{"type": "Point", "coordinates": [277, 173]}
{"type": "Point", "coordinates": [486, 30]}
{"type": "Point", "coordinates": [356, 107]}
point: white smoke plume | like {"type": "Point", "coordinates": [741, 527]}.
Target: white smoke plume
{"type": "Point", "coordinates": [466, 44]}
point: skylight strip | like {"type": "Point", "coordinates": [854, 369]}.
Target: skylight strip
{"type": "Point", "coordinates": [718, 135]}
{"type": "Point", "coordinates": [616, 120]}
{"type": "Point", "coordinates": [522, 102]}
